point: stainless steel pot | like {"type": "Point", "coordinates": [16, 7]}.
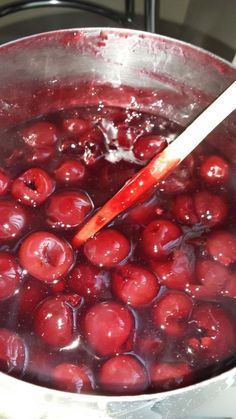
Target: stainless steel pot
{"type": "Point", "coordinates": [66, 68]}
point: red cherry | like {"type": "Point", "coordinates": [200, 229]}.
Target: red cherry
{"type": "Point", "coordinates": [160, 237]}
{"type": "Point", "coordinates": [171, 313]}
{"type": "Point", "coordinates": [12, 352]}
{"type": "Point", "coordinates": [108, 326]}
{"type": "Point", "coordinates": [214, 170]}
{"type": "Point", "coordinates": [46, 256]}
{"type": "Point", "coordinates": [221, 245]}
{"type": "Point", "coordinates": [123, 374]}
{"type": "Point", "coordinates": [33, 187]}
{"type": "Point", "coordinates": [176, 272]}
{"type": "Point", "coordinates": [167, 376]}
{"type": "Point", "coordinates": [76, 126]}
{"type": "Point", "coordinates": [107, 248]}
{"type": "Point", "coordinates": [181, 179]}
{"type": "Point", "coordinates": [143, 213]}
{"type": "Point", "coordinates": [146, 147]}
{"type": "Point", "coordinates": [70, 172]}
{"type": "Point", "coordinates": [40, 155]}
{"type": "Point", "coordinates": [215, 337]}
{"type": "Point", "coordinates": [88, 281]}
{"type": "Point", "coordinates": [149, 346]}
{"type": "Point", "coordinates": [126, 135]}
{"type": "Point", "coordinates": [4, 183]}
{"type": "Point", "coordinates": [10, 275]}
{"type": "Point", "coordinates": [40, 134]}
{"type": "Point", "coordinates": [73, 378]}
{"type": "Point", "coordinates": [31, 293]}
{"type": "Point", "coordinates": [53, 321]}
{"type": "Point", "coordinates": [93, 146]}
{"type": "Point", "coordinates": [134, 285]}
{"type": "Point", "coordinates": [230, 287]}
{"type": "Point", "coordinates": [202, 207]}
{"type": "Point", "coordinates": [59, 286]}
{"type": "Point", "coordinates": [68, 209]}
{"type": "Point", "coordinates": [13, 220]}
{"type": "Point", "coordinates": [114, 175]}
{"type": "Point", "coordinates": [212, 275]}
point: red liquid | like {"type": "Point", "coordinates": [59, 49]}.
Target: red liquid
{"type": "Point", "coordinates": [146, 305]}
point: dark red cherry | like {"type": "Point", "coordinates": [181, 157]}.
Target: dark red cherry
{"type": "Point", "coordinates": [10, 275]}
{"type": "Point", "coordinates": [12, 352]}
{"type": "Point", "coordinates": [146, 147]}
{"type": "Point", "coordinates": [4, 183]}
{"type": "Point", "coordinates": [126, 135]}
{"type": "Point", "coordinates": [167, 376]}
{"type": "Point", "coordinates": [134, 285]}
{"type": "Point", "coordinates": [33, 187]}
{"type": "Point", "coordinates": [123, 374]}
{"type": "Point", "coordinates": [70, 172]}
{"type": "Point", "coordinates": [13, 219]}
{"type": "Point", "coordinates": [68, 209]}
{"type": "Point", "coordinates": [212, 275]}
{"type": "Point", "coordinates": [88, 281]}
{"type": "Point", "coordinates": [221, 246]}
{"type": "Point", "coordinates": [160, 237]}
{"type": "Point", "coordinates": [214, 170]}
{"type": "Point", "coordinates": [230, 287]}
{"type": "Point", "coordinates": [92, 143]}
{"type": "Point", "coordinates": [76, 126]}
{"type": "Point", "coordinates": [72, 377]}
{"type": "Point", "coordinates": [53, 321]}
{"type": "Point", "coordinates": [114, 175]}
{"type": "Point", "coordinates": [181, 179]}
{"type": "Point", "coordinates": [31, 293]}
{"type": "Point", "coordinates": [171, 313]}
{"type": "Point", "coordinates": [107, 248]}
{"type": "Point", "coordinates": [149, 346]}
{"type": "Point", "coordinates": [108, 326]}
{"type": "Point", "coordinates": [40, 155]}
{"type": "Point", "coordinates": [40, 134]}
{"type": "Point", "coordinates": [45, 256]}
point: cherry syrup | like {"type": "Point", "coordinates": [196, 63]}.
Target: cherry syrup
{"type": "Point", "coordinates": [149, 303]}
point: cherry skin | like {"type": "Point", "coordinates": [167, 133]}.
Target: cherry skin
{"type": "Point", "coordinates": [160, 237]}
{"type": "Point", "coordinates": [126, 135]}
{"type": "Point", "coordinates": [88, 281]}
{"type": "Point", "coordinates": [108, 326]}
{"type": "Point", "coordinates": [40, 155]}
{"type": "Point", "coordinates": [212, 275]}
{"type": "Point", "coordinates": [70, 172]}
{"type": "Point", "coordinates": [72, 377]}
{"type": "Point", "coordinates": [214, 170]}
{"type": "Point", "coordinates": [33, 187]}
{"type": "Point", "coordinates": [108, 248]}
{"type": "Point", "coordinates": [4, 183]}
{"type": "Point", "coordinates": [123, 374]}
{"type": "Point", "coordinates": [10, 275]}
{"type": "Point", "coordinates": [68, 209]}
{"type": "Point", "coordinates": [45, 256]}
{"type": "Point", "coordinates": [31, 293]}
{"type": "Point", "coordinates": [167, 376]}
{"type": "Point", "coordinates": [171, 313]}
{"type": "Point", "coordinates": [12, 352]}
{"type": "Point", "coordinates": [134, 285]}
{"type": "Point", "coordinates": [181, 179]}
{"type": "Point", "coordinates": [53, 321]}
{"type": "Point", "coordinates": [40, 134]}
{"type": "Point", "coordinates": [76, 126]}
{"type": "Point", "coordinates": [221, 246]}
{"type": "Point", "coordinates": [13, 220]}
{"type": "Point", "coordinates": [146, 147]}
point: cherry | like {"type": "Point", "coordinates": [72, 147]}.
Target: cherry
{"type": "Point", "coordinates": [134, 285]}
{"type": "Point", "coordinates": [33, 187]}
{"type": "Point", "coordinates": [230, 287]}
{"type": "Point", "coordinates": [40, 134]}
{"type": "Point", "coordinates": [68, 209]}
{"type": "Point", "coordinates": [214, 169]}
{"type": "Point", "coordinates": [53, 321]}
{"type": "Point", "coordinates": [13, 219]}
{"type": "Point", "coordinates": [93, 146]}
{"type": "Point", "coordinates": [108, 326]}
{"type": "Point", "coordinates": [181, 179]}
{"type": "Point", "coordinates": [212, 275]}
{"type": "Point", "coordinates": [123, 374]}
{"type": "Point", "coordinates": [167, 376]}
{"type": "Point", "coordinates": [126, 135]}
{"type": "Point", "coordinates": [221, 246]}
{"type": "Point", "coordinates": [114, 175]}
{"type": "Point", "coordinates": [149, 346]}
{"type": "Point", "coordinates": [146, 147]}
{"type": "Point", "coordinates": [59, 286]}
{"type": "Point", "coordinates": [143, 213]}
{"type": "Point", "coordinates": [40, 155]}
{"type": "Point", "coordinates": [88, 281]}
{"type": "Point", "coordinates": [31, 293]}
{"type": "Point", "coordinates": [46, 256]}
{"type": "Point", "coordinates": [171, 313]}
{"type": "Point", "coordinates": [202, 207]}
{"type": "Point", "coordinates": [70, 172]}
{"type": "Point", "coordinates": [217, 335]}
{"type": "Point", "coordinates": [4, 183]}
{"type": "Point", "coordinates": [10, 275]}
{"type": "Point", "coordinates": [177, 271]}
{"type": "Point", "coordinates": [76, 126]}
{"type": "Point", "coordinates": [160, 237]}
{"type": "Point", "coordinates": [107, 248]}
{"type": "Point", "coordinates": [12, 352]}
{"type": "Point", "coordinates": [73, 378]}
